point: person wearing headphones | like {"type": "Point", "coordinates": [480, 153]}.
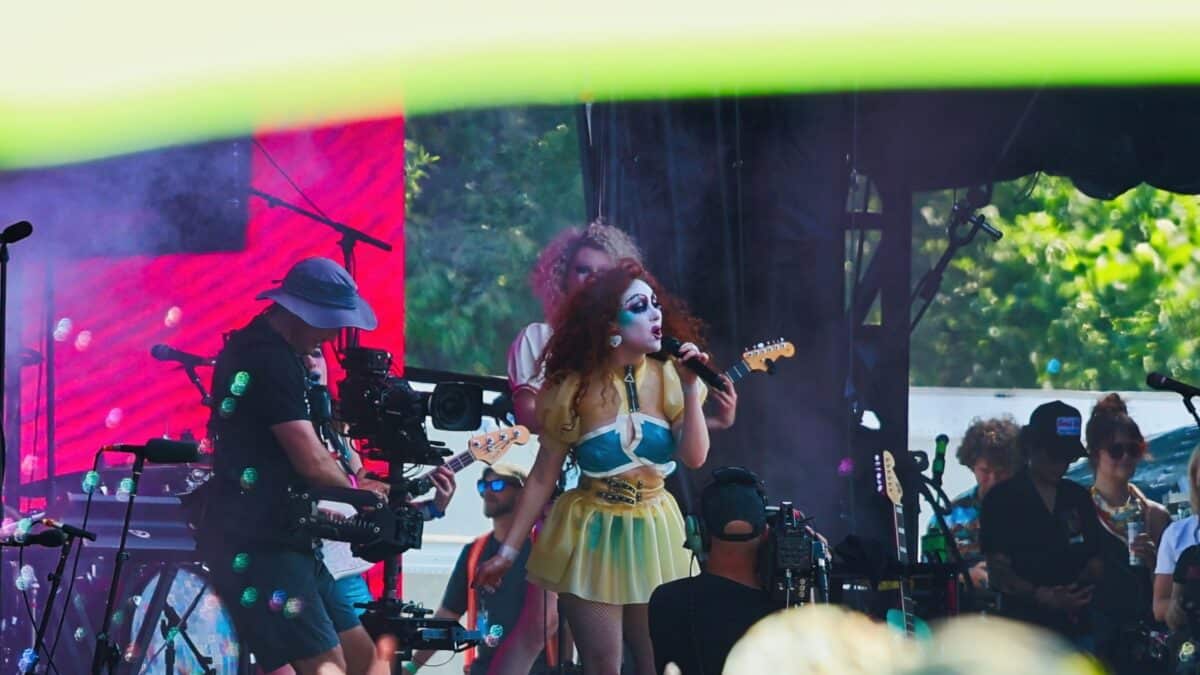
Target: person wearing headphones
{"type": "Point", "coordinates": [695, 621]}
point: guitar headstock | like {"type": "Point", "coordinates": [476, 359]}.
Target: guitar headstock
{"type": "Point", "coordinates": [490, 447]}
{"type": "Point", "coordinates": [758, 356]}
{"type": "Point", "coordinates": [886, 481]}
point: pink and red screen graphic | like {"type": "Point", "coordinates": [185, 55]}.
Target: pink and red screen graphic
{"type": "Point", "coordinates": [109, 312]}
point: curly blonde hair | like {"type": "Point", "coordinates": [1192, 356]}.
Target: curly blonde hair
{"type": "Point", "coordinates": [549, 276]}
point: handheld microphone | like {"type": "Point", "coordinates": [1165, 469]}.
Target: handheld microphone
{"type": "Point", "coordinates": [169, 353]}
{"type": "Point", "coordinates": [69, 530]}
{"type": "Point", "coordinates": [1163, 383]}
{"type": "Point", "coordinates": [939, 457]}
{"type": "Point", "coordinates": [48, 538]}
{"type": "Point", "coordinates": [160, 450]}
{"type": "Point", "coordinates": [708, 375]}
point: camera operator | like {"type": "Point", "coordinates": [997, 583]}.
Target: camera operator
{"type": "Point", "coordinates": [694, 622]}
{"type": "Point", "coordinates": [266, 443]}
{"type": "Point", "coordinates": [1040, 532]}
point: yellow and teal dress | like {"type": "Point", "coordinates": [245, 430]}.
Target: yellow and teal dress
{"type": "Point", "coordinates": [619, 534]}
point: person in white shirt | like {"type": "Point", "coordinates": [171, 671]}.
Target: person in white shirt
{"type": "Point", "coordinates": [1178, 536]}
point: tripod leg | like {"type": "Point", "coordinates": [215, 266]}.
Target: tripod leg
{"type": "Point", "coordinates": [158, 599]}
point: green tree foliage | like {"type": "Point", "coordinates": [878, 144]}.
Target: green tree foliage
{"type": "Point", "coordinates": [486, 189]}
{"type": "Point", "coordinates": [1080, 293]}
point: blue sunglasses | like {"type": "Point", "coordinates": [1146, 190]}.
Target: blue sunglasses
{"type": "Point", "coordinates": [495, 485]}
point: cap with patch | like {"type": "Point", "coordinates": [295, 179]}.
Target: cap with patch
{"type": "Point", "coordinates": [724, 502]}
{"type": "Point", "coordinates": [1056, 427]}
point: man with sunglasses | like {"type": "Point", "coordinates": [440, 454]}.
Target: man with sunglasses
{"type": "Point", "coordinates": [1040, 532]}
{"type": "Point", "coordinates": [493, 612]}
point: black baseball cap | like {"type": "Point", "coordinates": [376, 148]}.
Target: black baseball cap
{"type": "Point", "coordinates": [1055, 427]}
{"type": "Point", "coordinates": [735, 494]}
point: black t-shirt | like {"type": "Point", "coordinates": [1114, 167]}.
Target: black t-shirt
{"type": "Point", "coordinates": [1187, 568]}
{"type": "Point", "coordinates": [1125, 593]}
{"type": "Point", "coordinates": [503, 607]}
{"type": "Point", "coordinates": [695, 622]}
{"type": "Point", "coordinates": [1046, 549]}
{"type": "Point", "coordinates": [259, 381]}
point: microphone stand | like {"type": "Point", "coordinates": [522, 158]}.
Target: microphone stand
{"type": "Point", "coordinates": [1187, 403]}
{"type": "Point", "coordinates": [39, 641]}
{"type": "Point", "coordinates": [350, 237]}
{"type": "Point", "coordinates": [927, 489]}
{"type": "Point", "coordinates": [107, 654]}
{"type": "Point", "coordinates": [205, 398]}
{"type": "Point", "coordinates": [961, 575]}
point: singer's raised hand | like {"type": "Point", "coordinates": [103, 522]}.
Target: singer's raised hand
{"type": "Point", "coordinates": [688, 352]}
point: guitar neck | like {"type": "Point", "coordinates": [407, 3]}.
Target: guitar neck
{"type": "Point", "coordinates": [456, 463]}
{"type": "Point", "coordinates": [738, 371]}
{"type": "Point", "coordinates": [901, 535]}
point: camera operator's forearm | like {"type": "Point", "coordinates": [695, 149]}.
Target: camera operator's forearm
{"type": "Point", "coordinates": [542, 478]}
{"type": "Point", "coordinates": [1001, 577]}
{"type": "Point", "coordinates": [422, 657]}
{"type": "Point", "coordinates": [692, 444]}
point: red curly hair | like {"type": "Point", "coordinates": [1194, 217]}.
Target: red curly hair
{"type": "Point", "coordinates": [587, 318]}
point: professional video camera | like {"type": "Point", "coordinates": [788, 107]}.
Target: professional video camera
{"type": "Point", "coordinates": [414, 629]}
{"type": "Point", "coordinates": [389, 415]}
{"type": "Point", "coordinates": [794, 561]}
{"type": "Point", "coordinates": [378, 531]}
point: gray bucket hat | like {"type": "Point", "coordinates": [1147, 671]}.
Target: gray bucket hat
{"type": "Point", "coordinates": [322, 293]}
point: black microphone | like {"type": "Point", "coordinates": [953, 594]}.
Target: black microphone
{"type": "Point", "coordinates": [1163, 383]}
{"type": "Point", "coordinates": [160, 450]}
{"type": "Point", "coordinates": [169, 353]}
{"type": "Point", "coordinates": [16, 232]}
{"type": "Point", "coordinates": [70, 530]}
{"type": "Point", "coordinates": [710, 377]}
{"type": "Point", "coordinates": [48, 538]}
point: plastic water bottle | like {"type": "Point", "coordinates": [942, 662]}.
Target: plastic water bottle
{"type": "Point", "coordinates": [1132, 529]}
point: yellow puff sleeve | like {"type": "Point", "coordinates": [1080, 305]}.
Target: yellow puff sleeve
{"type": "Point", "coordinates": [560, 426]}
{"type": "Point", "coordinates": [673, 393]}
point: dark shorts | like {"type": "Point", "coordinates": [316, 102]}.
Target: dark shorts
{"type": "Point", "coordinates": [284, 605]}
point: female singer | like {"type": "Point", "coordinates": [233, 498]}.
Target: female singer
{"type": "Point", "coordinates": [1124, 595]}
{"type": "Point", "coordinates": [623, 418]}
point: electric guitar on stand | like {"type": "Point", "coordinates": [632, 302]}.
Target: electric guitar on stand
{"type": "Point", "coordinates": [888, 485]}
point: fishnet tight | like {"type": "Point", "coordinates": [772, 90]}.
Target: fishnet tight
{"type": "Point", "coordinates": [597, 628]}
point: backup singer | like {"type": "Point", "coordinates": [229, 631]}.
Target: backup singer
{"type": "Point", "coordinates": [623, 418]}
